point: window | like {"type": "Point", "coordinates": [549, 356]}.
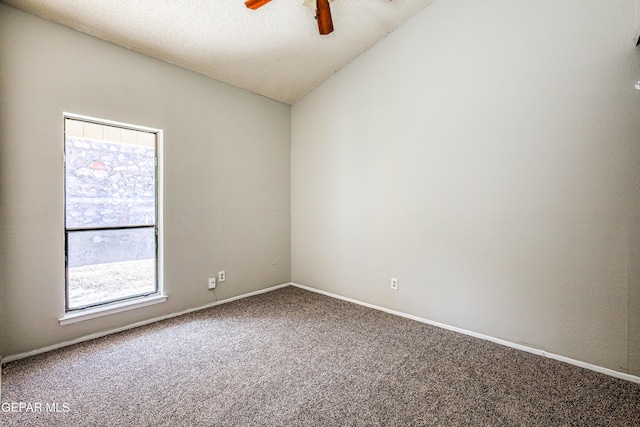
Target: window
{"type": "Point", "coordinates": [111, 212]}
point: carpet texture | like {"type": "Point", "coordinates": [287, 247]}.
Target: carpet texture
{"type": "Point", "coordinates": [295, 358]}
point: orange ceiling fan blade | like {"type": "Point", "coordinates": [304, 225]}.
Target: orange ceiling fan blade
{"type": "Point", "coordinates": [254, 4]}
{"type": "Point", "coordinates": [323, 15]}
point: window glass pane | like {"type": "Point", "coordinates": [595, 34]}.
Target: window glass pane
{"type": "Point", "coordinates": [105, 265]}
{"type": "Point", "coordinates": [110, 175]}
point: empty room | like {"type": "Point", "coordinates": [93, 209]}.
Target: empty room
{"type": "Point", "coordinates": [364, 213]}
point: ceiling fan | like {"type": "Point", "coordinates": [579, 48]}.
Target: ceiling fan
{"type": "Point", "coordinates": [323, 12]}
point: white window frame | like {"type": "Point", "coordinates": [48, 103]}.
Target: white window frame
{"type": "Point", "coordinates": [133, 303]}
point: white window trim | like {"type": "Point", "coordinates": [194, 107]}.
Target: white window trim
{"type": "Point", "coordinates": [135, 303]}
{"type": "Point", "coordinates": [106, 310]}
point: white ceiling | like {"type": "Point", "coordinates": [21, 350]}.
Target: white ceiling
{"type": "Point", "coordinates": [275, 51]}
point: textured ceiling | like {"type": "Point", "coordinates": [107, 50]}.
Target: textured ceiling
{"type": "Point", "coordinates": [275, 51]}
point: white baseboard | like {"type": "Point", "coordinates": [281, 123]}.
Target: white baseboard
{"type": "Point", "coordinates": [18, 356]}
{"type": "Point", "coordinates": [606, 371]}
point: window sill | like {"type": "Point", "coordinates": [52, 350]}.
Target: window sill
{"type": "Point", "coordinates": [92, 313]}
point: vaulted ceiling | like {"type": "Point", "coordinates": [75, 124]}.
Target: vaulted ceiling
{"type": "Point", "coordinates": [275, 51]}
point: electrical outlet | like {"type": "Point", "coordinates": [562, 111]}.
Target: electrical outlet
{"type": "Point", "coordinates": [221, 276]}
{"type": "Point", "coordinates": [212, 282]}
{"type": "Point", "coordinates": [394, 283]}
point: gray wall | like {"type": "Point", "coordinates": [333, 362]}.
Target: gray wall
{"type": "Point", "coordinates": [226, 175]}
{"type": "Point", "coordinates": [487, 154]}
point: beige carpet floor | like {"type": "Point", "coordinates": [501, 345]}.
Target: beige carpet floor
{"type": "Point", "coordinates": [296, 358]}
